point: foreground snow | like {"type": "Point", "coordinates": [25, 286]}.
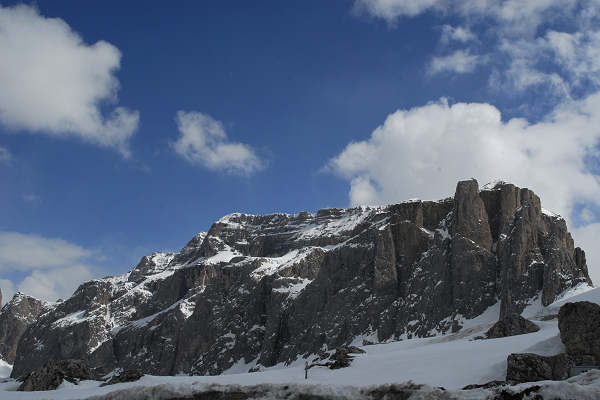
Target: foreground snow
{"type": "Point", "coordinates": [451, 361]}
{"type": "Point", "coordinates": [5, 369]}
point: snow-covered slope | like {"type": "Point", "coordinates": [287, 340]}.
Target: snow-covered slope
{"type": "Point", "coordinates": [5, 369]}
{"type": "Point", "coordinates": [451, 361]}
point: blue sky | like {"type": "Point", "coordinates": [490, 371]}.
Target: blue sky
{"type": "Point", "coordinates": [128, 129]}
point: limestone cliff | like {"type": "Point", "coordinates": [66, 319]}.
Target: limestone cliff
{"type": "Point", "coordinates": [260, 290]}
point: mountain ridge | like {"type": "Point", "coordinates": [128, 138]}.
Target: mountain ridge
{"type": "Point", "coordinates": [265, 289]}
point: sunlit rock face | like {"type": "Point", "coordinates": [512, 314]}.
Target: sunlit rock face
{"type": "Point", "coordinates": [263, 289]}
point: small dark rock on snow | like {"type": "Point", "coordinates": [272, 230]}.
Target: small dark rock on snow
{"type": "Point", "coordinates": [130, 375]}
{"type": "Point", "coordinates": [511, 325]}
{"type": "Point", "coordinates": [53, 373]}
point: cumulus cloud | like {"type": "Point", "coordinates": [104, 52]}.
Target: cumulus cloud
{"type": "Point", "coordinates": [58, 283]}
{"type": "Point", "coordinates": [425, 150]}
{"type": "Point", "coordinates": [5, 156]}
{"type": "Point", "coordinates": [53, 267]}
{"type": "Point", "coordinates": [460, 61]}
{"type": "Point", "coordinates": [203, 141]}
{"type": "Point", "coordinates": [54, 83]}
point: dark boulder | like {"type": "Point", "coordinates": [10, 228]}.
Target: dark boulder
{"type": "Point", "coordinates": [53, 373]}
{"type": "Point", "coordinates": [579, 325]}
{"type": "Point", "coordinates": [487, 385]}
{"type": "Point", "coordinates": [512, 325]}
{"type": "Point", "coordinates": [528, 367]}
{"type": "Point", "coordinates": [130, 375]}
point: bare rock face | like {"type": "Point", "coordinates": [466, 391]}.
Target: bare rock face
{"type": "Point", "coordinates": [512, 325]}
{"type": "Point", "coordinates": [470, 216]}
{"type": "Point", "coordinates": [266, 289]}
{"type": "Point", "coordinates": [579, 325]}
{"type": "Point", "coordinates": [529, 367]}
{"type": "Point", "coordinates": [15, 317]}
{"type": "Point", "coordinates": [53, 373]}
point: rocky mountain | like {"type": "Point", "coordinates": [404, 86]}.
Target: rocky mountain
{"type": "Point", "coordinates": [15, 317]}
{"type": "Point", "coordinates": [260, 290]}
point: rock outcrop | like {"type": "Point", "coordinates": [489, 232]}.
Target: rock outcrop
{"type": "Point", "coordinates": [512, 325]}
{"type": "Point", "coordinates": [579, 325]}
{"type": "Point", "coordinates": [15, 317]}
{"type": "Point", "coordinates": [267, 289]}
{"type": "Point", "coordinates": [53, 373]}
{"type": "Point", "coordinates": [130, 375]}
{"type": "Point", "coordinates": [529, 367]}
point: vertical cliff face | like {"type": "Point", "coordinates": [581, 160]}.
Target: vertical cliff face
{"type": "Point", "coordinates": [260, 290]}
{"type": "Point", "coordinates": [15, 317]}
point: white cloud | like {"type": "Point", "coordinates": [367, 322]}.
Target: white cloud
{"type": "Point", "coordinates": [203, 140]}
{"type": "Point", "coordinates": [508, 11]}
{"type": "Point", "coordinates": [390, 10]}
{"type": "Point", "coordinates": [586, 237]}
{"type": "Point", "coordinates": [59, 283]}
{"type": "Point", "coordinates": [55, 267]}
{"type": "Point", "coordinates": [424, 151]}
{"type": "Point", "coordinates": [23, 252]}
{"type": "Point", "coordinates": [460, 61]}
{"type": "Point", "coordinates": [8, 290]}
{"type": "Point", "coordinates": [54, 83]}
{"type": "Point", "coordinates": [523, 46]}
{"type": "Point", "coordinates": [5, 156]}
{"type": "Point", "coordinates": [457, 34]}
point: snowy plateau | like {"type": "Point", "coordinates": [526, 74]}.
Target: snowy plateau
{"type": "Point", "coordinates": [242, 307]}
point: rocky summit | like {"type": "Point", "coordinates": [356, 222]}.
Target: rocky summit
{"type": "Point", "coordinates": [257, 290]}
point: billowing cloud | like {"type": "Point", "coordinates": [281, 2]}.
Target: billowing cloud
{"type": "Point", "coordinates": [460, 61]}
{"type": "Point", "coordinates": [54, 83]}
{"type": "Point", "coordinates": [203, 141]}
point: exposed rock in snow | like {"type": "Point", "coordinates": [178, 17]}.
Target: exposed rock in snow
{"type": "Point", "coordinates": [529, 367]}
{"type": "Point", "coordinates": [512, 325]}
{"type": "Point", "coordinates": [53, 373]}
